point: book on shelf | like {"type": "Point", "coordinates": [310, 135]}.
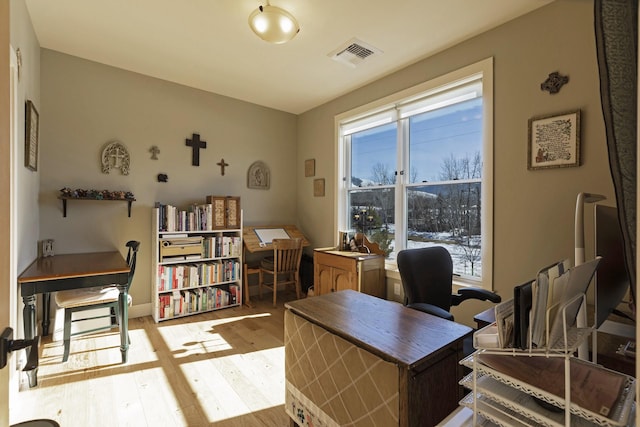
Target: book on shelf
{"type": "Point", "coordinates": [198, 217]}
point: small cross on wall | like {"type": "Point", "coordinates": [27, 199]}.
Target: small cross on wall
{"type": "Point", "coordinates": [222, 164]}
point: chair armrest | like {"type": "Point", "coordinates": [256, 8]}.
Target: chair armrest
{"type": "Point", "coordinates": [474, 293]}
{"type": "Point", "coordinates": [431, 309]}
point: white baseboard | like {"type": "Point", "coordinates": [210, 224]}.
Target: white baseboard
{"type": "Point", "coordinates": [140, 310]}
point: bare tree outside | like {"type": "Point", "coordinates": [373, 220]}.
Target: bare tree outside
{"type": "Point", "coordinates": [448, 210]}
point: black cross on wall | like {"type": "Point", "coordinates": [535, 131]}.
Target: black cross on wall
{"type": "Point", "coordinates": [196, 144]}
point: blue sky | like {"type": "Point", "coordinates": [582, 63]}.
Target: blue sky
{"type": "Point", "coordinates": [434, 137]}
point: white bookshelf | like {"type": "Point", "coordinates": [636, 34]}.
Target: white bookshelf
{"type": "Point", "coordinates": [194, 280]}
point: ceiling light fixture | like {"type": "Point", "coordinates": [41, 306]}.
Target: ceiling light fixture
{"type": "Point", "coordinates": [273, 24]}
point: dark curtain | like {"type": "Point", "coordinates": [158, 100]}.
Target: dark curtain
{"type": "Point", "coordinates": [616, 30]}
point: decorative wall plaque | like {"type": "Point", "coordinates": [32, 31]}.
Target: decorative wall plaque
{"type": "Point", "coordinates": [258, 176]}
{"type": "Point", "coordinates": [554, 82]}
{"type": "Point", "coordinates": [115, 156]}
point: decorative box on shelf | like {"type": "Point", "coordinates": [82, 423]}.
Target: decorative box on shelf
{"type": "Point", "coordinates": [226, 211]}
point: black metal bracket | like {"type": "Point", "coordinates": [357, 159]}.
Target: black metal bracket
{"type": "Point", "coordinates": [8, 344]}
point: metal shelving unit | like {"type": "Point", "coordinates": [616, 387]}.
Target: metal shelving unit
{"type": "Point", "coordinates": [500, 399]}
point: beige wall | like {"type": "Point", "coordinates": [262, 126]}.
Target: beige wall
{"type": "Point", "coordinates": [534, 210]}
{"type": "Point", "coordinates": [86, 105]}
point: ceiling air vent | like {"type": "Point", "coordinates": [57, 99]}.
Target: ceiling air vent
{"type": "Point", "coordinates": [353, 52]}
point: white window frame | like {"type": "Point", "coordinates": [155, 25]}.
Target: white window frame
{"type": "Point", "coordinates": [388, 109]}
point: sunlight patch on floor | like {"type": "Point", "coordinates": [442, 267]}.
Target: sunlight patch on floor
{"type": "Point", "coordinates": [238, 384]}
{"type": "Point", "coordinates": [202, 336]}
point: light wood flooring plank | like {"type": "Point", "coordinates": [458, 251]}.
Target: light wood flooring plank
{"type": "Point", "coordinates": [224, 368]}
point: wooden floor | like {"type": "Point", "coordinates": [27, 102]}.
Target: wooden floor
{"type": "Point", "coordinates": [224, 368]}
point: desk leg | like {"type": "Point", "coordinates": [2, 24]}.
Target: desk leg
{"type": "Point", "coordinates": [124, 322]}
{"type": "Point", "coordinates": [29, 321]}
{"type": "Point", "coordinates": [46, 312]}
{"type": "Point", "coordinates": [245, 292]}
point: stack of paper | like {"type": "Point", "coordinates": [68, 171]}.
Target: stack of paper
{"type": "Point", "coordinates": [542, 289]}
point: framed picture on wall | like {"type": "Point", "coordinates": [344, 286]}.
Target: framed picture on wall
{"type": "Point", "coordinates": [554, 141]}
{"type": "Point", "coordinates": [309, 167]}
{"type": "Point", "coordinates": [318, 187]}
{"type": "Point", "coordinates": [31, 135]}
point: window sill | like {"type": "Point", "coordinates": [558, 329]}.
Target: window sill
{"type": "Point", "coordinates": [392, 272]}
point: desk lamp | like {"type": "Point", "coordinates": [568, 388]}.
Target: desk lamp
{"type": "Point", "coordinates": [583, 198]}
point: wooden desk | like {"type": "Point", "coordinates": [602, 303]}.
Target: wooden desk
{"type": "Point", "coordinates": [251, 243]}
{"type": "Point", "coordinates": [485, 318]}
{"type": "Point", "coordinates": [381, 360]}
{"type": "Point", "coordinates": [72, 271]}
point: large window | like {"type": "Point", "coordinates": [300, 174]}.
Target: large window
{"type": "Point", "coordinates": [416, 170]}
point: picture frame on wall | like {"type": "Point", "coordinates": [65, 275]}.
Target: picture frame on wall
{"type": "Point", "coordinates": [32, 127]}
{"type": "Point", "coordinates": [318, 187]}
{"type": "Point", "coordinates": [310, 167]}
{"type": "Point", "coordinates": [554, 141]}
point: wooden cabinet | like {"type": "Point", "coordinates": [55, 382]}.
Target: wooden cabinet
{"type": "Point", "coordinates": [351, 359]}
{"type": "Point", "coordinates": [340, 270]}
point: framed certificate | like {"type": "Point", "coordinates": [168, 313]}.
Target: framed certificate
{"type": "Point", "coordinates": [554, 141]}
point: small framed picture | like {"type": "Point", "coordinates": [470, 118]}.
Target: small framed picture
{"type": "Point", "coordinates": [46, 248]}
{"type": "Point", "coordinates": [554, 141]}
{"type": "Point", "coordinates": [310, 167]}
{"type": "Point", "coordinates": [31, 136]}
{"type": "Point", "coordinates": [318, 187]}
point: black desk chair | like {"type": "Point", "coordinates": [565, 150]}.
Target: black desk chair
{"type": "Point", "coordinates": [427, 279]}
{"type": "Point", "coordinates": [94, 298]}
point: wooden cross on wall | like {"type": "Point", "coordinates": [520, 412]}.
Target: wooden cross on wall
{"type": "Point", "coordinates": [196, 144]}
{"type": "Point", "coordinates": [222, 164]}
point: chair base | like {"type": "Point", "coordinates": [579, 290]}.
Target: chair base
{"type": "Point", "coordinates": [68, 312]}
{"type": "Point", "coordinates": [37, 423]}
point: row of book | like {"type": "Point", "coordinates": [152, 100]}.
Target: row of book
{"type": "Point", "coordinates": [182, 302]}
{"type": "Point", "coordinates": [221, 246]}
{"type": "Point", "coordinates": [196, 218]}
{"type": "Point", "coordinates": [183, 276]}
